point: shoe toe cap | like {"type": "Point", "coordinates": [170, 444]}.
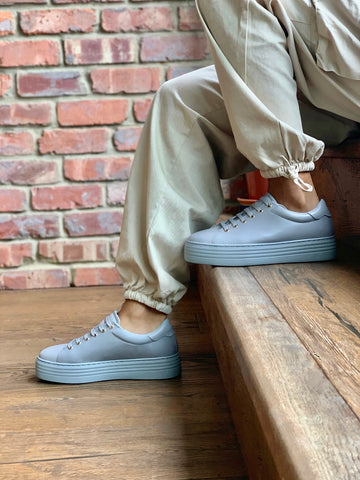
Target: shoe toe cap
{"type": "Point", "coordinates": [51, 354]}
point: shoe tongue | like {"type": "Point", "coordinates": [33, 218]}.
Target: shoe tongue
{"type": "Point", "coordinates": [269, 198]}
{"type": "Point", "coordinates": [115, 318]}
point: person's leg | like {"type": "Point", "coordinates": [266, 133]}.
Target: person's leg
{"type": "Point", "coordinates": [174, 190]}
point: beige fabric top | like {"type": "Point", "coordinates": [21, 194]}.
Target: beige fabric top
{"type": "Point", "coordinates": [338, 25]}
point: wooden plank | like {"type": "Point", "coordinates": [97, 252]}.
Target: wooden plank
{"type": "Point", "coordinates": [321, 303]}
{"type": "Point", "coordinates": [310, 432]}
{"type": "Point", "coordinates": [337, 180]}
{"type": "Point", "coordinates": [132, 430]}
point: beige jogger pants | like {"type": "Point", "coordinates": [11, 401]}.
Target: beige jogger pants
{"type": "Point", "coordinates": [275, 95]}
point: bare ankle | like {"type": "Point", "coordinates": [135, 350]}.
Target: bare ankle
{"type": "Point", "coordinates": [139, 318]}
{"type": "Point", "coordinates": [287, 193]}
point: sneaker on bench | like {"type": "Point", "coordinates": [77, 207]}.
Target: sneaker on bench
{"type": "Point", "coordinates": [265, 233]}
{"type": "Point", "coordinates": [109, 352]}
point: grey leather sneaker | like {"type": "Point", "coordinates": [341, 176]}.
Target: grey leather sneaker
{"type": "Point", "coordinates": [265, 233]}
{"type": "Point", "coordinates": [108, 352]}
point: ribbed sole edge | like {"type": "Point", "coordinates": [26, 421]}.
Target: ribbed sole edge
{"type": "Point", "coordinates": [295, 251]}
{"type": "Point", "coordinates": [133, 369]}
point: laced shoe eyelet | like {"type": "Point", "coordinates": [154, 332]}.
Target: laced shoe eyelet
{"type": "Point", "coordinates": [252, 216]}
{"type": "Point", "coordinates": [261, 210]}
{"type": "Point", "coordinates": [78, 342]}
{"type": "Point", "coordinates": [111, 327]}
{"type": "Point", "coordinates": [86, 339]}
{"type": "Point", "coordinates": [103, 331]}
{"type": "Point", "coordinates": [235, 226]}
{"type": "Point", "coordinates": [226, 230]}
{"type": "Point", "coordinates": [269, 205]}
{"type": "Point", "coordinates": [244, 221]}
{"type": "Point", "coordinates": [94, 335]}
{"type": "Point", "coordinates": [70, 347]}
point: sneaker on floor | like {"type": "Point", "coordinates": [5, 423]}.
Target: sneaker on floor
{"type": "Point", "coordinates": [108, 352]}
{"type": "Point", "coordinates": [265, 233]}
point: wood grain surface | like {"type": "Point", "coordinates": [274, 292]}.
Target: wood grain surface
{"type": "Point", "coordinates": [177, 429]}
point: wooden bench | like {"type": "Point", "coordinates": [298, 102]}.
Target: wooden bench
{"type": "Point", "coordinates": [287, 339]}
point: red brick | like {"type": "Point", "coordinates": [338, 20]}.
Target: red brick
{"type": "Point", "coordinates": [50, 84]}
{"type": "Point", "coordinates": [35, 226]}
{"type": "Point", "coordinates": [25, 114]}
{"type": "Point", "coordinates": [57, 21]}
{"type": "Point", "coordinates": [74, 141]}
{"type": "Point", "coordinates": [112, 168]}
{"type": "Point", "coordinates": [126, 80]}
{"type": "Point", "coordinates": [15, 254]}
{"type": "Point", "coordinates": [6, 23]}
{"type": "Point", "coordinates": [100, 50]}
{"type": "Point", "coordinates": [16, 143]}
{"type": "Point", "coordinates": [189, 19]}
{"type": "Point", "coordinates": [93, 223]}
{"type": "Point", "coordinates": [116, 193]}
{"type": "Point", "coordinates": [173, 47]}
{"type": "Point", "coordinates": [127, 138]}
{"type": "Point", "coordinates": [84, 277]}
{"type": "Point", "coordinates": [67, 251]}
{"type": "Point", "coordinates": [28, 279]}
{"type": "Point", "coordinates": [92, 112]}
{"type": "Point", "coordinates": [5, 83]}
{"type": "Point", "coordinates": [141, 109]}
{"type": "Point", "coordinates": [141, 19]}
{"type": "Point", "coordinates": [178, 70]}
{"type": "Point", "coordinates": [21, 53]}
{"type": "Point", "coordinates": [14, 2]}
{"type": "Point", "coordinates": [66, 197]}
{"type": "Point", "coordinates": [30, 172]}
{"type": "Point", "coordinates": [12, 200]}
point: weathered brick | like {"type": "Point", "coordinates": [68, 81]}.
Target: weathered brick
{"type": "Point", "coordinates": [28, 279]}
{"type": "Point", "coordinates": [50, 84]}
{"type": "Point", "coordinates": [112, 168]}
{"type": "Point", "coordinates": [15, 254]}
{"type": "Point", "coordinates": [66, 197]}
{"type": "Point", "coordinates": [90, 276]}
{"type": "Point", "coordinates": [175, 47]}
{"type": "Point", "coordinates": [93, 223]}
{"type": "Point", "coordinates": [141, 109]}
{"type": "Point", "coordinates": [189, 19]}
{"type": "Point", "coordinates": [6, 23]}
{"type": "Point", "coordinates": [67, 251]}
{"type": "Point", "coordinates": [74, 141]}
{"type": "Point", "coordinates": [126, 80]}
{"type": "Point", "coordinates": [16, 143]}
{"type": "Point", "coordinates": [178, 70]}
{"type": "Point", "coordinates": [100, 50]}
{"type": "Point", "coordinates": [29, 52]}
{"type": "Point", "coordinates": [33, 172]}
{"type": "Point", "coordinates": [24, 226]}
{"type": "Point", "coordinates": [92, 112]}
{"type": "Point", "coordinates": [127, 138]}
{"type": "Point", "coordinates": [141, 19]}
{"type": "Point", "coordinates": [25, 114]}
{"type": "Point", "coordinates": [36, 22]}
{"type": "Point", "coordinates": [5, 83]}
{"type": "Point", "coordinates": [15, 2]}
{"type": "Point", "coordinates": [116, 193]}
{"type": "Point", "coordinates": [12, 200]}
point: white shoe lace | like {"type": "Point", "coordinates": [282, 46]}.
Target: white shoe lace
{"type": "Point", "coordinates": [108, 322]}
{"type": "Point", "coordinates": [249, 212]}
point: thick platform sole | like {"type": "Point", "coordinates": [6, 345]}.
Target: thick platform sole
{"type": "Point", "coordinates": [135, 369]}
{"type": "Point", "coordinates": [295, 251]}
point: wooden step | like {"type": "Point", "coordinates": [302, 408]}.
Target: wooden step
{"type": "Point", "coordinates": [287, 338]}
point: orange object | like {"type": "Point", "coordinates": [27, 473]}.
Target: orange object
{"type": "Point", "coordinates": [257, 186]}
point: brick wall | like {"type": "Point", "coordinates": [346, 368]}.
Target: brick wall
{"type": "Point", "coordinates": [76, 83]}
